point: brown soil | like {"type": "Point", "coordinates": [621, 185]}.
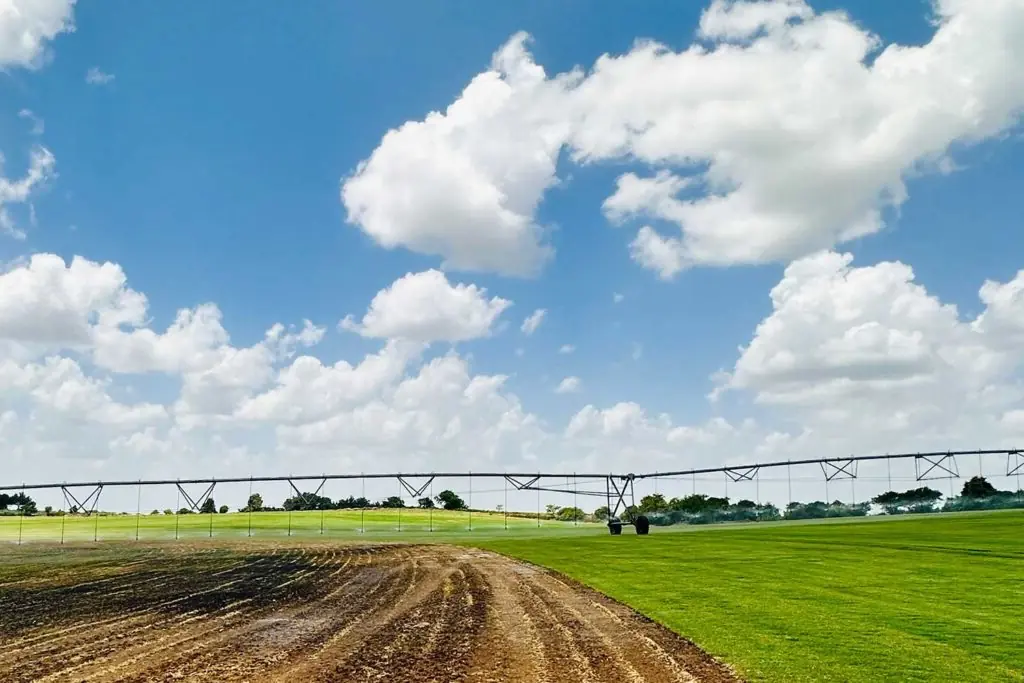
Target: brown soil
{"type": "Point", "coordinates": [260, 612]}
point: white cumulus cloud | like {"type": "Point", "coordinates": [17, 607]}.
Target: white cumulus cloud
{"type": "Point", "coordinates": [27, 26]}
{"type": "Point", "coordinates": [425, 307]}
{"type": "Point", "coordinates": [741, 135]}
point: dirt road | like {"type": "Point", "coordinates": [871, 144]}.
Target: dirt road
{"type": "Point", "coordinates": [325, 613]}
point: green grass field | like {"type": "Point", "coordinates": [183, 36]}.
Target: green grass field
{"type": "Point", "coordinates": [898, 599]}
{"type": "Point", "coordinates": [412, 525]}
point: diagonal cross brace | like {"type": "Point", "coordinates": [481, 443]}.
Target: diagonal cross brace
{"type": "Point", "coordinates": [195, 504]}
{"type": "Point", "coordinates": [85, 507]}
{"type": "Point", "coordinates": [307, 496]}
{"type": "Point", "coordinates": [620, 494]}
{"type": "Point", "coordinates": [411, 490]}
{"type": "Point", "coordinates": [844, 469]}
{"type": "Point", "coordinates": [945, 463]}
{"type": "Point", "coordinates": [1014, 463]}
{"type": "Point", "coordinates": [742, 474]}
{"type": "Point", "coordinates": [520, 485]}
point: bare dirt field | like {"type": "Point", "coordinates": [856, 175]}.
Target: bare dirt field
{"type": "Point", "coordinates": [321, 613]}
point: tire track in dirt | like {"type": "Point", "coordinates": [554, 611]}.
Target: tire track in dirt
{"type": "Point", "coordinates": [292, 611]}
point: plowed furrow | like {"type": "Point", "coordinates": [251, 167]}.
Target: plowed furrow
{"type": "Point", "coordinates": [432, 641]}
{"type": "Point", "coordinates": [294, 611]}
{"type": "Point", "coordinates": [190, 635]}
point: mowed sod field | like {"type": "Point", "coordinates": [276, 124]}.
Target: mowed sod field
{"type": "Point", "coordinates": [936, 598]}
{"type": "Point", "coordinates": [915, 598]}
{"type": "Point", "coordinates": [413, 525]}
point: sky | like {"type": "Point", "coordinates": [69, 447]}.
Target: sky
{"type": "Point", "coordinates": [397, 236]}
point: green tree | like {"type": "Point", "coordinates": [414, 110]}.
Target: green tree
{"type": "Point", "coordinates": [209, 507]}
{"type": "Point", "coordinates": [978, 487]}
{"type": "Point", "coordinates": [393, 502]}
{"type": "Point", "coordinates": [255, 503]}
{"type": "Point", "coordinates": [425, 503]}
{"type": "Point", "coordinates": [698, 502]}
{"type": "Point", "coordinates": [308, 501]}
{"type": "Point", "coordinates": [449, 500]}
{"type": "Point", "coordinates": [224, 509]}
{"type": "Point", "coordinates": [601, 513]}
{"type": "Point", "coordinates": [654, 502]}
{"type": "Point", "coordinates": [570, 514]}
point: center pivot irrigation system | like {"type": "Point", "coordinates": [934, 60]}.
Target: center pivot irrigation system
{"type": "Point", "coordinates": [618, 488]}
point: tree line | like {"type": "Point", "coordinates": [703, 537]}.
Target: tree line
{"type": "Point", "coordinates": [977, 494]}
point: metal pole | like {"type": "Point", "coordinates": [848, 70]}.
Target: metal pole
{"type": "Point", "coordinates": [505, 506]}
{"type": "Point", "coordinates": [322, 512]}
{"type": "Point", "coordinates": [62, 518]}
{"type": "Point", "coordinates": [248, 505]}
{"type": "Point", "coordinates": [362, 510]}
{"type": "Point", "coordinates": [289, 522]}
{"type": "Point", "coordinates": [212, 513]}
{"type": "Point", "coordinates": [575, 505]}
{"type": "Point", "coordinates": [138, 512]}
{"type": "Point", "coordinates": [430, 510]}
{"type": "Point", "coordinates": [888, 468]}
{"type": "Point", "coordinates": [470, 508]}
{"type": "Point", "coordinates": [177, 509]}
{"type": "Point", "coordinates": [399, 506]}
{"type": "Point", "coordinates": [21, 521]}
{"type": "Point", "coordinates": [96, 528]}
{"type": "Point", "coordinates": [538, 500]}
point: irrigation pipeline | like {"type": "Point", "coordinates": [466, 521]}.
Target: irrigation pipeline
{"type": "Point", "coordinates": [939, 461]}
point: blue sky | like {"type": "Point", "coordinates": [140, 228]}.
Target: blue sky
{"type": "Point", "coordinates": [209, 169]}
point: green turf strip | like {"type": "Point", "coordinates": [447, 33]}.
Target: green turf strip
{"type": "Point", "coordinates": [413, 525]}
{"type": "Point", "coordinates": [909, 599]}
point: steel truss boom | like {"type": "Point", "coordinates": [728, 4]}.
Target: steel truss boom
{"type": "Point", "coordinates": [926, 464]}
{"type": "Point", "coordinates": [831, 466]}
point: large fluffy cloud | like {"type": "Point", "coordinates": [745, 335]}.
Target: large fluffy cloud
{"type": "Point", "coordinates": [465, 184]}
{"type": "Point", "coordinates": [26, 26]}
{"type": "Point", "coordinates": [868, 348]}
{"type": "Point", "coordinates": [425, 307]}
{"type": "Point", "coordinates": [774, 108]}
